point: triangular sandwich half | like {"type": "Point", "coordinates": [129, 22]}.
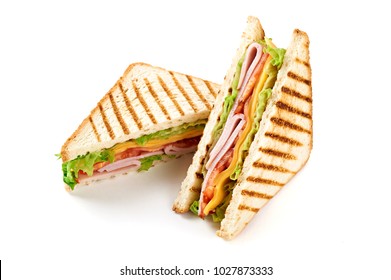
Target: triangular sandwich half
{"type": "Point", "coordinates": [259, 134]}
{"type": "Point", "coordinates": [149, 115]}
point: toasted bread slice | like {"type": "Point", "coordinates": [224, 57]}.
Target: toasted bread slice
{"type": "Point", "coordinates": [144, 100]}
{"type": "Point", "coordinates": [283, 143]}
{"type": "Point", "coordinates": [191, 186]}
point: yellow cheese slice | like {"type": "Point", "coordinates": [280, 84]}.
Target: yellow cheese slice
{"type": "Point", "coordinates": [157, 143]}
{"type": "Point", "coordinates": [223, 178]}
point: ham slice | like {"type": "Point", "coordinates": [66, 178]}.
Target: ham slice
{"type": "Point", "coordinates": [251, 61]}
{"type": "Point", "coordinates": [221, 144]}
{"type": "Point", "coordinates": [229, 143]}
{"type": "Point", "coordinates": [245, 88]}
{"type": "Point", "coordinates": [248, 90]}
{"type": "Point", "coordinates": [230, 140]}
{"type": "Point", "coordinates": [131, 161]}
{"type": "Point", "coordinates": [251, 68]}
{"type": "Point", "coordinates": [176, 151]}
{"type": "Point", "coordinates": [84, 178]}
{"type": "Point", "coordinates": [253, 56]}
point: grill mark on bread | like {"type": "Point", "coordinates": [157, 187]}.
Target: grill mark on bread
{"type": "Point", "coordinates": [210, 88]}
{"type": "Point", "coordinates": [296, 94]}
{"type": "Point", "coordinates": [285, 123]}
{"type": "Point", "coordinates": [184, 93]}
{"type": "Point", "coordinates": [199, 175]}
{"type": "Point", "coordinates": [157, 99]}
{"type": "Point", "coordinates": [202, 160]}
{"type": "Point", "coordinates": [271, 167]}
{"type": "Point", "coordinates": [248, 208]}
{"type": "Point", "coordinates": [105, 121]}
{"type": "Point", "coordinates": [130, 107]}
{"type": "Point", "coordinates": [203, 99]}
{"type": "Point", "coordinates": [305, 63]}
{"type": "Point", "coordinates": [169, 94]}
{"type": "Point", "coordinates": [283, 139]}
{"type": "Point", "coordinates": [264, 181]}
{"type": "Point", "coordinates": [143, 103]}
{"type": "Point", "coordinates": [299, 78]}
{"type": "Point", "coordinates": [94, 129]}
{"type": "Point", "coordinates": [286, 107]}
{"type": "Point", "coordinates": [256, 194]}
{"type": "Point", "coordinates": [277, 153]}
{"type": "Point", "coordinates": [118, 114]}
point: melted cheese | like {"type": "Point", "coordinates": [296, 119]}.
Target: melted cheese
{"type": "Point", "coordinates": [223, 178]}
{"type": "Point", "coordinates": [157, 143]}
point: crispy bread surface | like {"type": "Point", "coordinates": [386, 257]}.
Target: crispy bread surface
{"type": "Point", "coordinates": [283, 143]}
{"type": "Point", "coordinates": [144, 100]}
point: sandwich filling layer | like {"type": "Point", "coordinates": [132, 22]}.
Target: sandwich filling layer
{"type": "Point", "coordinates": [239, 121]}
{"type": "Point", "coordinates": [136, 154]}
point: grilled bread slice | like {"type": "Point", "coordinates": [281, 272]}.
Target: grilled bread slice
{"type": "Point", "coordinates": [283, 143]}
{"type": "Point", "coordinates": [144, 100]}
{"type": "Point", "coordinates": [191, 186]}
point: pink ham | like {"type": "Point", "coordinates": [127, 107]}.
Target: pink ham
{"type": "Point", "coordinates": [252, 59]}
{"type": "Point", "coordinates": [253, 56]}
{"type": "Point", "coordinates": [252, 65]}
{"type": "Point", "coordinates": [173, 150]}
{"type": "Point", "coordinates": [230, 140]}
{"type": "Point", "coordinates": [84, 178]}
{"type": "Point", "coordinates": [128, 161]}
{"type": "Point", "coordinates": [243, 89]}
{"type": "Point", "coordinates": [220, 155]}
{"type": "Point", "coordinates": [247, 91]}
{"type": "Point", "coordinates": [229, 127]}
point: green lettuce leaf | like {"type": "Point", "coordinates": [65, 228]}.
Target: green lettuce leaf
{"type": "Point", "coordinates": [147, 162]}
{"type": "Point", "coordinates": [84, 163]}
{"type": "Point", "coordinates": [166, 133]}
{"type": "Point", "coordinates": [219, 213]}
{"type": "Point", "coordinates": [194, 207]}
{"type": "Point", "coordinates": [277, 54]}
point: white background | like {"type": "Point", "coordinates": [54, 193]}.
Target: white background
{"type": "Point", "coordinates": [58, 59]}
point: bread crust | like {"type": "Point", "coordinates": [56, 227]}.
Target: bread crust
{"type": "Point", "coordinates": [191, 186]}
{"type": "Point", "coordinates": [144, 100]}
{"type": "Point", "coordinates": [283, 143]}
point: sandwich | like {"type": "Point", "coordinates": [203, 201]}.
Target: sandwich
{"type": "Point", "coordinates": [259, 133]}
{"type": "Point", "coordinates": [150, 115]}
